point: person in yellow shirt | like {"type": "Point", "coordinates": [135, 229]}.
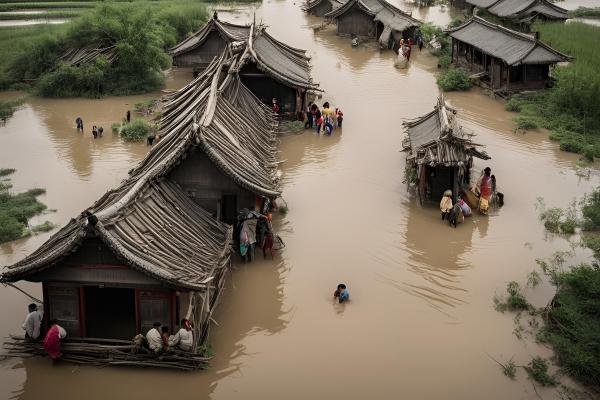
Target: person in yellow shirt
{"type": "Point", "coordinates": [446, 204]}
{"type": "Point", "coordinates": [328, 115]}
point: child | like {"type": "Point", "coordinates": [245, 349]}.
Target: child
{"type": "Point", "coordinates": [165, 338]}
{"type": "Point", "coordinates": [446, 204]}
{"type": "Point", "coordinates": [341, 293]}
{"type": "Point", "coordinates": [339, 115]}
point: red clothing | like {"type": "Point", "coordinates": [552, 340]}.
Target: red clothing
{"type": "Point", "coordinates": [276, 108]}
{"type": "Point", "coordinates": [485, 189]}
{"type": "Point", "coordinates": [52, 342]}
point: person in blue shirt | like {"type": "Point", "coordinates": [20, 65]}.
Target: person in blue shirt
{"type": "Point", "coordinates": [341, 293]}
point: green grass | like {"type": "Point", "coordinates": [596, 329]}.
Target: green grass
{"type": "Point", "coordinates": [45, 5]}
{"type": "Point", "coordinates": [591, 12]}
{"type": "Point", "coordinates": [571, 109]}
{"type": "Point", "coordinates": [515, 301]}
{"type": "Point", "coordinates": [137, 130]}
{"type": "Point", "coordinates": [15, 211]}
{"type": "Point", "coordinates": [537, 370]}
{"type": "Point", "coordinates": [47, 15]}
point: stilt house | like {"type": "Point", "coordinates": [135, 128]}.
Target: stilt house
{"type": "Point", "coordinates": [152, 249]}
{"type": "Point", "coordinates": [522, 11]}
{"type": "Point", "coordinates": [439, 153]}
{"type": "Point", "coordinates": [270, 69]}
{"type": "Point", "coordinates": [321, 7]}
{"type": "Point", "coordinates": [508, 60]}
{"type": "Point", "coordinates": [374, 19]}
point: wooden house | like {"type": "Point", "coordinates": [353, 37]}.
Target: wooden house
{"type": "Point", "coordinates": [439, 153]}
{"type": "Point", "coordinates": [270, 69]}
{"type": "Point", "coordinates": [374, 19]}
{"type": "Point", "coordinates": [151, 249]}
{"type": "Point", "coordinates": [522, 11]}
{"type": "Point", "coordinates": [507, 60]}
{"type": "Point", "coordinates": [199, 49]}
{"type": "Point", "coordinates": [321, 7]}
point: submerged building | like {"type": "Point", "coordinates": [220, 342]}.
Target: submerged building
{"type": "Point", "coordinates": [508, 60]}
{"type": "Point", "coordinates": [158, 247]}
{"type": "Point", "coordinates": [321, 7]}
{"type": "Point", "coordinates": [269, 68]}
{"type": "Point", "coordinates": [439, 153]}
{"type": "Point", "coordinates": [374, 19]}
{"type": "Point", "coordinates": [522, 11]}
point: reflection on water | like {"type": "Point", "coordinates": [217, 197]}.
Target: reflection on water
{"type": "Point", "coordinates": [421, 291]}
{"type": "Point", "coordinates": [24, 22]}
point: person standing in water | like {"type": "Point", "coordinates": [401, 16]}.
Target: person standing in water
{"type": "Point", "coordinates": [309, 117]}
{"type": "Point", "coordinates": [484, 185]}
{"type": "Point", "coordinates": [341, 293]}
{"type": "Point", "coordinates": [128, 116]}
{"type": "Point", "coordinates": [33, 323]}
{"type": "Point", "coordinates": [53, 339]}
{"type": "Point", "coordinates": [95, 131]}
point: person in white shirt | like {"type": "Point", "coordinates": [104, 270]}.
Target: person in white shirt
{"type": "Point", "coordinates": [154, 338]}
{"type": "Point", "coordinates": [33, 323]}
{"type": "Point", "coordinates": [184, 338]}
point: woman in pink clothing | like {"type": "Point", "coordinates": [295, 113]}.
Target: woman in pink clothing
{"type": "Point", "coordinates": [53, 339]}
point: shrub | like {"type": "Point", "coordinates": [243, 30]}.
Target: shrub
{"type": "Point", "coordinates": [6, 171]}
{"type": "Point", "coordinates": [454, 79]}
{"type": "Point", "coordinates": [69, 81]}
{"type": "Point", "coordinates": [590, 210]}
{"type": "Point", "coordinates": [15, 210]}
{"type": "Point", "coordinates": [8, 108]}
{"type": "Point", "coordinates": [571, 145]}
{"type": "Point", "coordinates": [537, 370]}
{"type": "Point", "coordinates": [589, 152]}
{"type": "Point", "coordinates": [137, 130]}
{"type": "Point", "coordinates": [445, 61]}
{"type": "Point", "coordinates": [525, 123]}
{"type": "Point", "coordinates": [115, 127]}
{"type": "Point", "coordinates": [515, 300]}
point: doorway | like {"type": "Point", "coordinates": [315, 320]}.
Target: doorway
{"type": "Point", "coordinates": [230, 208]}
{"type": "Point", "coordinates": [110, 313]}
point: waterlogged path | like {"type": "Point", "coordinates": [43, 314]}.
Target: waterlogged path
{"type": "Point", "coordinates": [421, 321]}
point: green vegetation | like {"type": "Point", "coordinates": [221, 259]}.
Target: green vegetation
{"type": "Point", "coordinates": [47, 15]}
{"type": "Point", "coordinates": [570, 109]}
{"type": "Point", "coordinates": [16, 209]}
{"type": "Point", "coordinates": [572, 320]}
{"type": "Point", "coordinates": [8, 108]}
{"type": "Point", "coordinates": [509, 369]}
{"type": "Point", "coordinates": [6, 171]}
{"type": "Point", "coordinates": [141, 32]}
{"type": "Point", "coordinates": [43, 227]}
{"type": "Point", "coordinates": [145, 107]}
{"type": "Point", "coordinates": [537, 370]}
{"type": "Point", "coordinates": [454, 79]}
{"type": "Point", "coordinates": [4, 7]}
{"type": "Point", "coordinates": [137, 130]}
{"type": "Point", "coordinates": [515, 301]}
{"type": "Point", "coordinates": [591, 12]}
{"type": "Point", "coordinates": [115, 127]}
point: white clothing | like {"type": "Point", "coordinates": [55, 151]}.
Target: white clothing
{"type": "Point", "coordinates": [183, 339]}
{"type": "Point", "coordinates": [62, 333]}
{"type": "Point", "coordinates": [33, 323]}
{"type": "Point", "coordinates": [154, 340]}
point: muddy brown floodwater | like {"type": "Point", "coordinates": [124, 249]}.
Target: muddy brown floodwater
{"type": "Point", "coordinates": [421, 321]}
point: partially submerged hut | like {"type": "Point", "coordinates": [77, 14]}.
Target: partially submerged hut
{"type": "Point", "coordinates": [270, 68]}
{"type": "Point", "coordinates": [81, 56]}
{"type": "Point", "coordinates": [142, 253]}
{"type": "Point", "coordinates": [321, 7]}
{"type": "Point", "coordinates": [507, 60]}
{"type": "Point", "coordinates": [439, 153]}
{"type": "Point", "coordinates": [522, 11]}
{"type": "Point", "coordinates": [154, 248]}
{"type": "Point", "coordinates": [374, 19]}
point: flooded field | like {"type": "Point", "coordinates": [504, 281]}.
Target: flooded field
{"type": "Point", "coordinates": [421, 322]}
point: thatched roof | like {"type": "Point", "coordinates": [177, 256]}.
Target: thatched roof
{"type": "Point", "coordinates": [155, 229]}
{"type": "Point", "coordinates": [438, 139]}
{"type": "Point", "coordinates": [218, 115]}
{"type": "Point", "coordinates": [512, 47]}
{"type": "Point", "coordinates": [311, 4]}
{"type": "Point", "coordinates": [390, 16]}
{"type": "Point", "coordinates": [229, 32]}
{"type": "Point", "coordinates": [521, 10]}
{"type": "Point", "coordinates": [82, 56]}
{"type": "Point", "coordinates": [286, 64]}
{"type": "Point", "coordinates": [148, 221]}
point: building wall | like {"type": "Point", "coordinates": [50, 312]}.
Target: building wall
{"type": "Point", "coordinates": [212, 47]}
{"type": "Point", "coordinates": [356, 22]}
{"type": "Point", "coordinates": [207, 185]}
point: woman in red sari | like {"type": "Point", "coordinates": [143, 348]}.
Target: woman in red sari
{"type": "Point", "coordinates": [53, 339]}
{"type": "Point", "coordinates": [485, 190]}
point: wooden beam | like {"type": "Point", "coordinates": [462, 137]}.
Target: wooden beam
{"type": "Point", "coordinates": [507, 77]}
{"type": "Point", "coordinates": [82, 330]}
{"type": "Point", "coordinates": [492, 73]}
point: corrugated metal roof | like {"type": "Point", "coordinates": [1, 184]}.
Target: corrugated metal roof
{"type": "Point", "coordinates": [510, 46]}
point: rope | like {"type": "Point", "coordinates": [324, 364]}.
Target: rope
{"type": "Point", "coordinates": [24, 292]}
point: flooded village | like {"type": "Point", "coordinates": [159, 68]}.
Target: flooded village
{"type": "Point", "coordinates": [164, 232]}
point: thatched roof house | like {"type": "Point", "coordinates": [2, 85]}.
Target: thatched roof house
{"type": "Point", "coordinates": [81, 56]}
{"type": "Point", "coordinates": [522, 11]}
{"type": "Point", "coordinates": [439, 152]}
{"type": "Point", "coordinates": [269, 68]}
{"type": "Point", "coordinates": [321, 7]}
{"type": "Point", "coordinates": [151, 249]}
{"type": "Point", "coordinates": [375, 19]}
{"type": "Point", "coordinates": [511, 60]}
